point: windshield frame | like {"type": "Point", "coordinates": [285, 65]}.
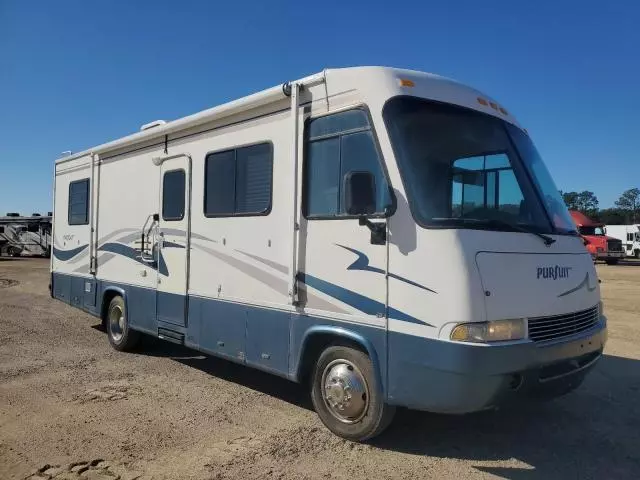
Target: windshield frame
{"type": "Point", "coordinates": [519, 168]}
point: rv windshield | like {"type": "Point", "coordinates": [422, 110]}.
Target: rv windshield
{"type": "Point", "coordinates": [464, 169]}
{"type": "Point", "coordinates": [594, 231]}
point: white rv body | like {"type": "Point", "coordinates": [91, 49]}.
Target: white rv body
{"type": "Point", "coordinates": [629, 235]}
{"type": "Point", "coordinates": [262, 288]}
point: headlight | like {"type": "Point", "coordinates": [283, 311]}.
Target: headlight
{"type": "Point", "coordinates": [495, 331]}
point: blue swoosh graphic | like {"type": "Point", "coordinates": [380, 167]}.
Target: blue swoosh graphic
{"type": "Point", "coordinates": [166, 244]}
{"type": "Point", "coordinates": [65, 255]}
{"type": "Point", "coordinates": [362, 263]}
{"type": "Point", "coordinates": [133, 254]}
{"type": "Point", "coordinates": [584, 283]}
{"type": "Point", "coordinates": [360, 302]}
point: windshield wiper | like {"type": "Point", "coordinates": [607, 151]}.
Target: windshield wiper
{"type": "Point", "coordinates": [501, 223]}
{"type": "Point", "coordinates": [521, 228]}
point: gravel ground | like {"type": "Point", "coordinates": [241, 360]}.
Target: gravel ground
{"type": "Point", "coordinates": [71, 407]}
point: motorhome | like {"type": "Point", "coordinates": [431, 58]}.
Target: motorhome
{"type": "Point", "coordinates": [629, 235]}
{"type": "Point", "coordinates": [385, 236]}
{"type": "Point", "coordinates": [29, 236]}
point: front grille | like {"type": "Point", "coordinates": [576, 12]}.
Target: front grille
{"type": "Point", "coordinates": [542, 329]}
{"type": "Point", "coordinates": [614, 245]}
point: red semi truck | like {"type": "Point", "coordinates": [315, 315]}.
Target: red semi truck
{"type": "Point", "coordinates": [599, 245]}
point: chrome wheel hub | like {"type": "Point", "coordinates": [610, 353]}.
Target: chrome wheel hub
{"type": "Point", "coordinates": [345, 391]}
{"type": "Point", "coordinates": [116, 323]}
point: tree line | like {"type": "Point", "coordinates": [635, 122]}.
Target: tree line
{"type": "Point", "coordinates": [626, 210]}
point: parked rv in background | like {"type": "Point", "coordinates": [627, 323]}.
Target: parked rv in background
{"type": "Point", "coordinates": [25, 235]}
{"type": "Point", "coordinates": [629, 235]}
{"type": "Point", "coordinates": [599, 245]}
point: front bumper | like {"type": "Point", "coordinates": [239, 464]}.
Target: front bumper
{"type": "Point", "coordinates": [610, 254]}
{"type": "Point", "coordinates": [450, 377]}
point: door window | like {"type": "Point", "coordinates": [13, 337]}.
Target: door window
{"type": "Point", "coordinates": [173, 193]}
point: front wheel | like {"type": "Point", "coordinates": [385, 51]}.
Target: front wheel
{"type": "Point", "coordinates": [612, 261]}
{"type": "Point", "coordinates": [636, 253]}
{"type": "Point", "coordinates": [121, 337]}
{"type": "Point", "coordinates": [346, 395]}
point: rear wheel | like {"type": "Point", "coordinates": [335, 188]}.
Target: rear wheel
{"type": "Point", "coordinates": [612, 261]}
{"type": "Point", "coordinates": [121, 337]}
{"type": "Point", "coordinates": [346, 395]}
{"type": "Point", "coordinates": [636, 253]}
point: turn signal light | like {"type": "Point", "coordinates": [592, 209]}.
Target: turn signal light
{"type": "Point", "coordinates": [404, 82]}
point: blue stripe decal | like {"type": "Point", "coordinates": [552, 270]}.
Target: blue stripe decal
{"type": "Point", "coordinates": [362, 263]}
{"type": "Point", "coordinates": [166, 244]}
{"type": "Point", "coordinates": [360, 302]}
{"type": "Point", "coordinates": [133, 254]}
{"type": "Point", "coordinates": [65, 255]}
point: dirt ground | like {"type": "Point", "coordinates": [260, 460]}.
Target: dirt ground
{"type": "Point", "coordinates": [71, 407]}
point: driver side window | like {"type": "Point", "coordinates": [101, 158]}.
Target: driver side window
{"type": "Point", "coordinates": [336, 145]}
{"type": "Point", "coordinates": [485, 183]}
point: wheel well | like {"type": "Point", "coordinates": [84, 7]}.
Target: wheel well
{"type": "Point", "coordinates": [106, 300]}
{"type": "Point", "coordinates": [314, 347]}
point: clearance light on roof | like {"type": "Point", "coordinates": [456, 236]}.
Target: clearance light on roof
{"type": "Point", "coordinates": [493, 105]}
{"type": "Point", "coordinates": [407, 83]}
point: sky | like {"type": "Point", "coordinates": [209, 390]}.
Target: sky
{"type": "Point", "coordinates": [75, 74]}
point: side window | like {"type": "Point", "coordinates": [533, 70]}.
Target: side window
{"type": "Point", "coordinates": [239, 181]}
{"type": "Point", "coordinates": [173, 193]}
{"type": "Point", "coordinates": [336, 145]}
{"type": "Point", "coordinates": [1, 229]}
{"type": "Point", "coordinates": [78, 213]}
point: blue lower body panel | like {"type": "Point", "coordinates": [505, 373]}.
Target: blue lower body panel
{"type": "Point", "coordinates": [171, 308]}
{"type": "Point", "coordinates": [415, 372]}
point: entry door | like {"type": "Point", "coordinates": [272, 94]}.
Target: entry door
{"type": "Point", "coordinates": [342, 272]}
{"type": "Point", "coordinates": [173, 241]}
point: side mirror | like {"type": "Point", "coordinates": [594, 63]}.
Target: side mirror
{"type": "Point", "coordinates": [359, 193]}
{"type": "Point", "coordinates": [156, 217]}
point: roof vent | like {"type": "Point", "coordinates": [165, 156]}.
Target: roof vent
{"type": "Point", "coordinates": [155, 123]}
{"type": "Point", "coordinates": [13, 214]}
{"type": "Point", "coordinates": [66, 153]}
{"type": "Point", "coordinates": [36, 215]}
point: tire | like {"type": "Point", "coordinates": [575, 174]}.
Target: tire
{"type": "Point", "coordinates": [612, 261]}
{"type": "Point", "coordinates": [121, 337]}
{"type": "Point", "coordinates": [364, 413]}
{"type": "Point", "coordinates": [636, 254]}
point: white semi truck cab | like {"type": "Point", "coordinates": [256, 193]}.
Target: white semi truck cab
{"type": "Point", "coordinates": [629, 235]}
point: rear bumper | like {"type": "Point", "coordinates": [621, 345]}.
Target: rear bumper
{"type": "Point", "coordinates": [450, 377]}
